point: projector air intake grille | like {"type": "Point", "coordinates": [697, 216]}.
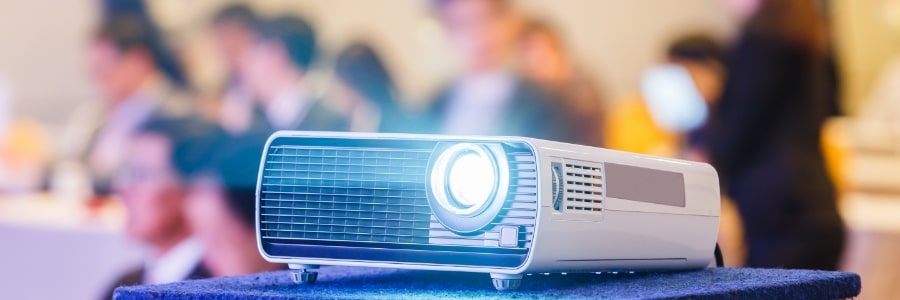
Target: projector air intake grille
{"type": "Point", "coordinates": [583, 187]}
{"type": "Point", "coordinates": [371, 194]}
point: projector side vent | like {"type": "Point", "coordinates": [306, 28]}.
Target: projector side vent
{"type": "Point", "coordinates": [584, 189]}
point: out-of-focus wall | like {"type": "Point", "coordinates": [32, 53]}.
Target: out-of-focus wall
{"type": "Point", "coordinates": [43, 55]}
{"type": "Point", "coordinates": [42, 43]}
{"type": "Point", "coordinates": [866, 43]}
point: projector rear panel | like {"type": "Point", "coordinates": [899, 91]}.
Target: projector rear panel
{"type": "Point", "coordinates": [359, 199]}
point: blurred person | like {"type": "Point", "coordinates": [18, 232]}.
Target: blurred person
{"type": "Point", "coordinates": [685, 109]}
{"type": "Point", "coordinates": [490, 98]}
{"type": "Point", "coordinates": [364, 83]}
{"type": "Point", "coordinates": [668, 115]}
{"type": "Point", "coordinates": [221, 209]}
{"type": "Point", "coordinates": [275, 70]}
{"type": "Point", "coordinates": [153, 187]}
{"type": "Point", "coordinates": [766, 135]}
{"type": "Point", "coordinates": [545, 60]}
{"type": "Point", "coordinates": [137, 79]}
{"type": "Point", "coordinates": [234, 29]}
{"type": "Point", "coordinates": [24, 148]}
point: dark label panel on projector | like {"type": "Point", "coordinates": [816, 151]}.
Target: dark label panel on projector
{"type": "Point", "coordinates": [645, 185]}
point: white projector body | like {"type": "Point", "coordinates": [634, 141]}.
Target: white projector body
{"type": "Point", "coordinates": [507, 206]}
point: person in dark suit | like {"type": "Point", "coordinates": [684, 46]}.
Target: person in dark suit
{"type": "Point", "coordinates": [490, 98]}
{"type": "Point", "coordinates": [367, 88]}
{"type": "Point", "coordinates": [234, 29]}
{"type": "Point", "coordinates": [221, 209]}
{"type": "Point", "coordinates": [765, 139]}
{"type": "Point", "coordinates": [153, 188]}
{"type": "Point", "coordinates": [137, 78]}
{"type": "Point", "coordinates": [545, 60]}
{"type": "Point", "coordinates": [276, 69]}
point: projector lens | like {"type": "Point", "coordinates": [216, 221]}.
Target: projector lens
{"type": "Point", "coordinates": [468, 183]}
{"type": "Point", "coordinates": [471, 179]}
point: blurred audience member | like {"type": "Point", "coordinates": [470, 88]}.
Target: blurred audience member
{"type": "Point", "coordinates": [221, 210]}
{"type": "Point", "coordinates": [275, 69]}
{"type": "Point", "coordinates": [136, 79]}
{"type": "Point", "coordinates": [489, 98]}
{"type": "Point", "coordinates": [668, 115]}
{"type": "Point", "coordinates": [367, 88]}
{"type": "Point", "coordinates": [546, 61]}
{"type": "Point", "coordinates": [24, 148]}
{"type": "Point", "coordinates": [686, 110]}
{"type": "Point", "coordinates": [153, 187]}
{"type": "Point", "coordinates": [765, 139]}
{"type": "Point", "coordinates": [234, 29]}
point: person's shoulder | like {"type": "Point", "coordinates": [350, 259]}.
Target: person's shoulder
{"type": "Point", "coordinates": [200, 272]}
{"type": "Point", "coordinates": [132, 277]}
{"type": "Point", "coordinates": [177, 103]}
{"type": "Point", "coordinates": [526, 91]}
{"type": "Point", "coordinates": [322, 117]}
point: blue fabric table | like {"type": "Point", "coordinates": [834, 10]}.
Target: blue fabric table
{"type": "Point", "coordinates": [372, 283]}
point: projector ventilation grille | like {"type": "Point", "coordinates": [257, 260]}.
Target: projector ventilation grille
{"type": "Point", "coordinates": [583, 188]}
{"type": "Point", "coordinates": [372, 195]}
{"type": "Point", "coordinates": [375, 197]}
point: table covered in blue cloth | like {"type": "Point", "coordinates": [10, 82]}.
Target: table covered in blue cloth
{"type": "Point", "coordinates": [373, 283]}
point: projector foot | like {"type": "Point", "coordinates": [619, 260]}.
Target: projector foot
{"type": "Point", "coordinates": [305, 273]}
{"type": "Point", "coordinates": [506, 282]}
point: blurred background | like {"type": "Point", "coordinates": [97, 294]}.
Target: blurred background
{"type": "Point", "coordinates": [128, 129]}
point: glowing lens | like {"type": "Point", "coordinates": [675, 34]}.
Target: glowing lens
{"type": "Point", "coordinates": [471, 180]}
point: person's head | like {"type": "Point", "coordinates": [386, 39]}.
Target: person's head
{"type": "Point", "coordinates": [234, 29]}
{"type": "Point", "coordinates": [282, 53]}
{"type": "Point", "coordinates": [703, 58]}
{"type": "Point", "coordinates": [221, 207]}
{"type": "Point", "coordinates": [362, 76]}
{"type": "Point", "coordinates": [223, 190]}
{"type": "Point", "coordinates": [161, 156]}
{"type": "Point", "coordinates": [127, 50]}
{"type": "Point", "coordinates": [798, 22]}
{"type": "Point", "coordinates": [543, 54]}
{"type": "Point", "coordinates": [481, 31]}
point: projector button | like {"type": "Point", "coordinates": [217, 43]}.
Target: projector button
{"type": "Point", "coordinates": [509, 236]}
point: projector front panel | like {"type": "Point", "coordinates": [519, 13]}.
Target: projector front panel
{"type": "Point", "coordinates": [367, 199]}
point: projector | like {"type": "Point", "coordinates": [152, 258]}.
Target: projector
{"type": "Point", "coordinates": [507, 206]}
